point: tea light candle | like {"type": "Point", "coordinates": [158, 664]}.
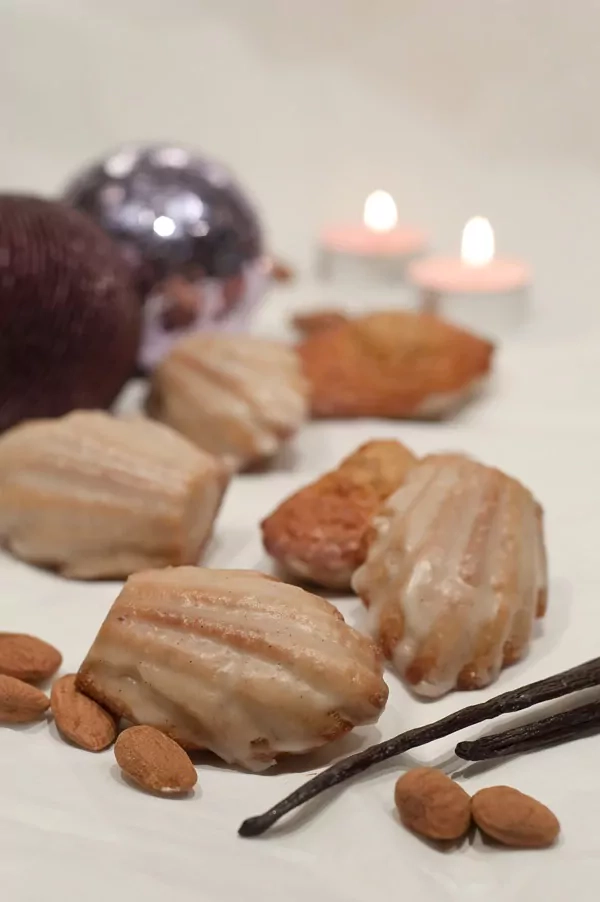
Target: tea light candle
{"type": "Point", "coordinates": [380, 243]}
{"type": "Point", "coordinates": [478, 290]}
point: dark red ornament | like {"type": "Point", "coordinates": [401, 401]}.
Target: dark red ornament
{"type": "Point", "coordinates": [69, 316]}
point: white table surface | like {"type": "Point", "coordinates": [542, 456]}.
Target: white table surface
{"type": "Point", "coordinates": [456, 109]}
{"type": "Point", "coordinates": [71, 829]}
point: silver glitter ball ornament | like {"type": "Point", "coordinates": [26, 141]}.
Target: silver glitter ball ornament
{"type": "Point", "coordinates": [191, 236]}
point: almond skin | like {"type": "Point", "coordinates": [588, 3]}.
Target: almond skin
{"type": "Point", "coordinates": [154, 761]}
{"type": "Point", "coordinates": [513, 818]}
{"type": "Point", "coordinates": [79, 719]}
{"type": "Point", "coordinates": [20, 702]}
{"type": "Point", "coordinates": [27, 658]}
{"type": "Point", "coordinates": [431, 804]}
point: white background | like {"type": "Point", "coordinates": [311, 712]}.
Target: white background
{"type": "Point", "coordinates": [457, 107]}
{"type": "Point", "coordinates": [461, 107]}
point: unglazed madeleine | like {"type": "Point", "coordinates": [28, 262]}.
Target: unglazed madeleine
{"type": "Point", "coordinates": [317, 533]}
{"type": "Point", "coordinates": [317, 321]}
{"type": "Point", "coordinates": [393, 364]}
{"type": "Point", "coordinates": [233, 661]}
{"type": "Point", "coordinates": [455, 574]}
{"type": "Point", "coordinates": [237, 396]}
{"type": "Point", "coordinates": [97, 497]}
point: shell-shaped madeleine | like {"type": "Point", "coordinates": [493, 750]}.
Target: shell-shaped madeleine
{"type": "Point", "coordinates": [233, 661]}
{"type": "Point", "coordinates": [96, 497]}
{"type": "Point", "coordinates": [393, 363]}
{"type": "Point", "coordinates": [318, 533]}
{"type": "Point", "coordinates": [455, 574]}
{"type": "Point", "coordinates": [236, 396]}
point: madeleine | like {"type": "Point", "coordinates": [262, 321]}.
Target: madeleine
{"type": "Point", "coordinates": [455, 574]}
{"type": "Point", "coordinates": [235, 662]}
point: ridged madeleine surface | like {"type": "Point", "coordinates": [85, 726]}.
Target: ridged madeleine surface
{"type": "Point", "coordinates": [96, 497]}
{"type": "Point", "coordinates": [455, 574]}
{"type": "Point", "coordinates": [393, 364]}
{"type": "Point", "coordinates": [317, 534]}
{"type": "Point", "coordinates": [236, 396]}
{"type": "Point", "coordinates": [233, 661]}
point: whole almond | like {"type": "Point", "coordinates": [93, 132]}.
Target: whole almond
{"type": "Point", "coordinates": [154, 761]}
{"type": "Point", "coordinates": [20, 702]}
{"type": "Point", "coordinates": [513, 818]}
{"type": "Point", "coordinates": [27, 658]}
{"type": "Point", "coordinates": [80, 719]}
{"type": "Point", "coordinates": [431, 804]}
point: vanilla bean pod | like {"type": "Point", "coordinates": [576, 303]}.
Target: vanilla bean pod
{"type": "Point", "coordinates": [532, 737]}
{"type": "Point", "coordinates": [581, 677]}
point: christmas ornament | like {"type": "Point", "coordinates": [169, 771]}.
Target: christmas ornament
{"type": "Point", "coordinates": [69, 317]}
{"type": "Point", "coordinates": [191, 236]}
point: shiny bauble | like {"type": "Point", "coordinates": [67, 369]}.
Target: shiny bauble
{"type": "Point", "coordinates": [69, 316]}
{"type": "Point", "coordinates": [190, 234]}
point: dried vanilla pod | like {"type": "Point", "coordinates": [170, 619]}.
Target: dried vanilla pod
{"type": "Point", "coordinates": [583, 676]}
{"type": "Point", "coordinates": [558, 728]}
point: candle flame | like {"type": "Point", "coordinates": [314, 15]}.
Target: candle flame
{"type": "Point", "coordinates": [381, 213]}
{"type": "Point", "coordinates": [477, 246]}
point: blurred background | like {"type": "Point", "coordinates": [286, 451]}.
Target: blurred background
{"type": "Point", "coordinates": [455, 108]}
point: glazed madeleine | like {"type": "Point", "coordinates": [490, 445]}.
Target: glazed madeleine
{"type": "Point", "coordinates": [233, 661]}
{"type": "Point", "coordinates": [96, 497]}
{"type": "Point", "coordinates": [455, 574]}
{"type": "Point", "coordinates": [236, 396]}
{"type": "Point", "coordinates": [318, 533]}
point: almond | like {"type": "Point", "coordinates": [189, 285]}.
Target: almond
{"type": "Point", "coordinates": [431, 804]}
{"type": "Point", "coordinates": [154, 761]}
{"type": "Point", "coordinates": [20, 702]}
{"type": "Point", "coordinates": [513, 818]}
{"type": "Point", "coordinates": [80, 719]}
{"type": "Point", "coordinates": [27, 658]}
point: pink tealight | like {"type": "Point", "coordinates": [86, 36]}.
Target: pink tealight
{"type": "Point", "coordinates": [359, 240]}
{"type": "Point", "coordinates": [379, 243]}
{"type": "Point", "coordinates": [447, 274]}
{"type": "Point", "coordinates": [478, 290]}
